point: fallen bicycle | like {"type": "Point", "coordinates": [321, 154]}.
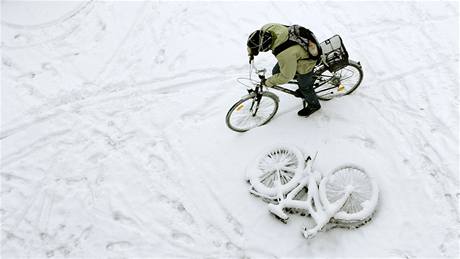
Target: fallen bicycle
{"type": "Point", "coordinates": [284, 178]}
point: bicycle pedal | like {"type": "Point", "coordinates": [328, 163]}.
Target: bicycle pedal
{"type": "Point", "coordinates": [279, 218]}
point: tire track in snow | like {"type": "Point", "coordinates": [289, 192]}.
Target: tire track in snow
{"type": "Point", "coordinates": [107, 94]}
{"type": "Point", "coordinates": [118, 114]}
{"type": "Point", "coordinates": [232, 231]}
{"type": "Point", "coordinates": [198, 180]}
{"type": "Point", "coordinates": [140, 14]}
{"type": "Point", "coordinates": [186, 239]}
{"type": "Point", "coordinates": [176, 180]}
{"type": "Point", "coordinates": [444, 180]}
{"type": "Point", "coordinates": [60, 20]}
{"type": "Point", "coordinates": [66, 25]}
{"type": "Point", "coordinates": [33, 147]}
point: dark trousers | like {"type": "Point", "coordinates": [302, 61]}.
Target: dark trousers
{"type": "Point", "coordinates": [305, 83]}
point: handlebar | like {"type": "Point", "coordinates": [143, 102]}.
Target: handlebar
{"type": "Point", "coordinates": [260, 72]}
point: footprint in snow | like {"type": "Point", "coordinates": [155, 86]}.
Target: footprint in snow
{"type": "Point", "coordinates": [118, 246]}
{"type": "Point", "coordinates": [367, 141]}
{"type": "Point", "coordinates": [182, 237]}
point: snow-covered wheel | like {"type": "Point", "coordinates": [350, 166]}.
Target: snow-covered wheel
{"type": "Point", "coordinates": [361, 202]}
{"type": "Point", "coordinates": [276, 170]}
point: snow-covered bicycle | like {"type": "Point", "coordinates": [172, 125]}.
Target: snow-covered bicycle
{"type": "Point", "coordinates": [346, 198]}
{"type": "Point", "coordinates": [335, 74]}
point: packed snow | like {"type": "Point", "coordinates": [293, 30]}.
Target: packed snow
{"type": "Point", "coordinates": [114, 145]}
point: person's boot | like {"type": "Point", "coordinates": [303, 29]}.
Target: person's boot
{"type": "Point", "coordinates": [307, 111]}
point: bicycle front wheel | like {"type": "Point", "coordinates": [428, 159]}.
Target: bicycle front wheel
{"type": "Point", "coordinates": [252, 111]}
{"type": "Point", "coordinates": [277, 170]}
{"type": "Point", "coordinates": [341, 82]}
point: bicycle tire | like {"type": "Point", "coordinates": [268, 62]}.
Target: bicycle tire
{"type": "Point", "coordinates": [362, 201]}
{"type": "Point", "coordinates": [347, 89]}
{"type": "Point", "coordinates": [269, 99]}
{"type": "Point", "coordinates": [277, 170]}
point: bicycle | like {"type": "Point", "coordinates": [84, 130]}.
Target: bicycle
{"type": "Point", "coordinates": [336, 75]}
{"type": "Point", "coordinates": [345, 198]}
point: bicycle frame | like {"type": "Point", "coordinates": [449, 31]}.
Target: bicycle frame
{"type": "Point", "coordinates": [323, 79]}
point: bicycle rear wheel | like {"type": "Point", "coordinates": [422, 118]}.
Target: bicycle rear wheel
{"type": "Point", "coordinates": [342, 82]}
{"type": "Point", "coordinates": [252, 111]}
{"type": "Point", "coordinates": [361, 202]}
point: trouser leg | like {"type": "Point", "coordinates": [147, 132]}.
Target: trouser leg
{"type": "Point", "coordinates": [306, 88]}
{"type": "Point", "coordinates": [305, 83]}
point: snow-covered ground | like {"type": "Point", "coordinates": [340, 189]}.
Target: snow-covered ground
{"type": "Point", "coordinates": [113, 141]}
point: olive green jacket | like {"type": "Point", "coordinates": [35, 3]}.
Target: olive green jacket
{"type": "Point", "coordinates": [291, 61]}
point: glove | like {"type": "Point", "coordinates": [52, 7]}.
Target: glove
{"type": "Point", "coordinates": [262, 81]}
{"type": "Point", "coordinates": [251, 58]}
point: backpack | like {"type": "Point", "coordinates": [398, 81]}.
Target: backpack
{"type": "Point", "coordinates": [299, 35]}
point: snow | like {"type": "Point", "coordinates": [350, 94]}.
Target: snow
{"type": "Point", "coordinates": [113, 141]}
{"type": "Point", "coordinates": [38, 13]}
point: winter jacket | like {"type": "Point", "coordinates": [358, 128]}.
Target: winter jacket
{"type": "Point", "coordinates": [291, 61]}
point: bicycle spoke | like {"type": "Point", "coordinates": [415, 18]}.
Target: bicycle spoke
{"type": "Point", "coordinates": [265, 110]}
{"type": "Point", "coordinates": [288, 169]}
{"type": "Point", "coordinates": [288, 176]}
{"type": "Point", "coordinates": [242, 119]}
{"type": "Point", "coordinates": [278, 177]}
{"type": "Point", "coordinates": [269, 182]}
{"type": "Point", "coordinates": [266, 175]}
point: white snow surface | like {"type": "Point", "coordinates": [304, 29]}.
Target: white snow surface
{"type": "Point", "coordinates": [113, 141]}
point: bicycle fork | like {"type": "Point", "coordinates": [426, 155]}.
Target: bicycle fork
{"type": "Point", "coordinates": [256, 103]}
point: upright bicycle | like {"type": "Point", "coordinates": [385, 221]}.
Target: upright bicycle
{"type": "Point", "coordinates": [335, 75]}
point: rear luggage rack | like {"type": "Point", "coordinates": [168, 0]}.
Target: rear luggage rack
{"type": "Point", "coordinates": [334, 56]}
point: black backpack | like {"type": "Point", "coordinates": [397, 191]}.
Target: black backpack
{"type": "Point", "coordinates": [299, 35]}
